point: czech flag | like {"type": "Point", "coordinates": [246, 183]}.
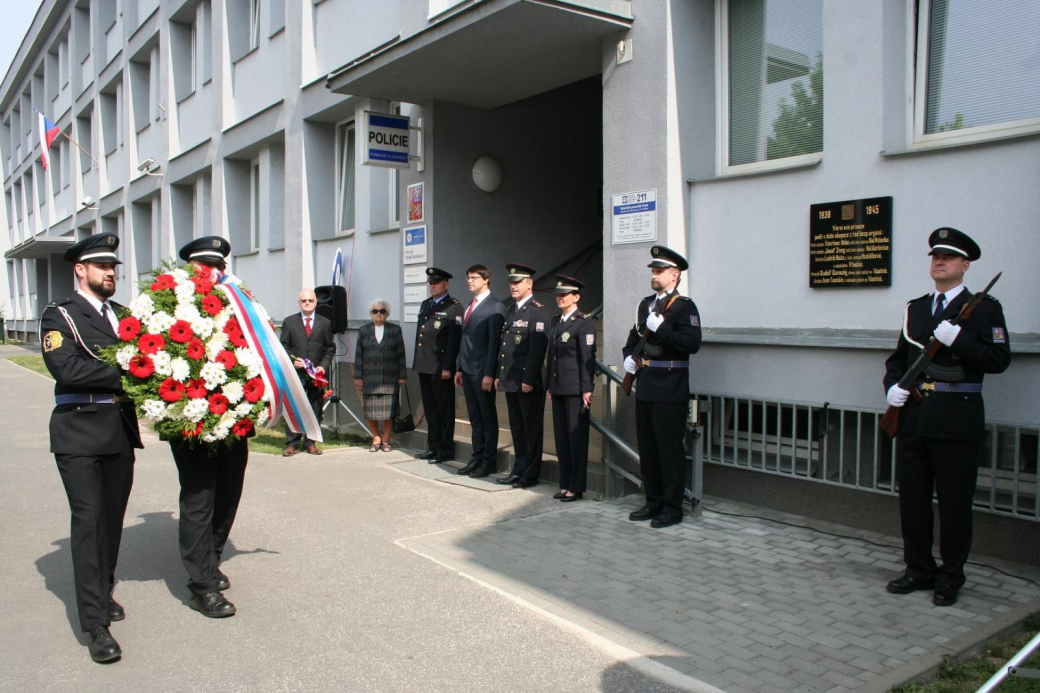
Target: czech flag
{"type": "Point", "coordinates": [48, 133]}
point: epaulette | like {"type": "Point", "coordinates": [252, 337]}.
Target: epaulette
{"type": "Point", "coordinates": [536, 304]}
{"type": "Point", "coordinates": [455, 301]}
{"type": "Point", "coordinates": [680, 297]}
{"type": "Point", "coordinates": [991, 298]}
{"type": "Point", "coordinates": [581, 315]}
{"type": "Point", "coordinates": [919, 298]}
{"type": "Point", "coordinates": [62, 302]}
{"type": "Point", "coordinates": [651, 297]}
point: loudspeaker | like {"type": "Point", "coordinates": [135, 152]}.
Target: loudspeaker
{"type": "Point", "coordinates": [332, 303]}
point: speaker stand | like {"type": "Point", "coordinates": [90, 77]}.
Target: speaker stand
{"type": "Point", "coordinates": [337, 403]}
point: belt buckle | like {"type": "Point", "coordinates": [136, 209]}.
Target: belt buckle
{"type": "Point", "coordinates": [645, 362]}
{"type": "Point", "coordinates": [928, 387]}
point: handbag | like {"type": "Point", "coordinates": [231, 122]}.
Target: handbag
{"type": "Point", "coordinates": [402, 424]}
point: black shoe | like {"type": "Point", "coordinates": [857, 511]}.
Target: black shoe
{"type": "Point", "coordinates": [102, 646]}
{"type": "Point", "coordinates": [483, 470]}
{"type": "Point", "coordinates": [115, 611]}
{"type": "Point", "coordinates": [440, 460]}
{"type": "Point", "coordinates": [571, 499]}
{"type": "Point", "coordinates": [212, 604]}
{"type": "Point", "coordinates": [508, 481]}
{"type": "Point", "coordinates": [907, 584]}
{"type": "Point", "coordinates": [428, 455]}
{"type": "Point", "coordinates": [944, 596]}
{"type": "Point", "coordinates": [643, 514]}
{"type": "Point", "coordinates": [470, 466]}
{"type": "Point", "coordinates": [525, 483]}
{"type": "Point", "coordinates": [559, 495]}
{"type": "Point", "coordinates": [665, 521]}
{"type": "Point", "coordinates": [222, 581]}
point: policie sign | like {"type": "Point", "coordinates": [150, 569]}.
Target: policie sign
{"type": "Point", "coordinates": [385, 140]}
{"type": "Point", "coordinates": [850, 243]}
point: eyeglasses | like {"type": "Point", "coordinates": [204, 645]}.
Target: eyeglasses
{"type": "Point", "coordinates": [379, 311]}
{"type": "Point", "coordinates": [307, 300]}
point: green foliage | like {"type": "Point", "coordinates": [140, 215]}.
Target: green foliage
{"type": "Point", "coordinates": [799, 127]}
{"type": "Point", "coordinates": [272, 442]}
{"type": "Point", "coordinates": [956, 124]}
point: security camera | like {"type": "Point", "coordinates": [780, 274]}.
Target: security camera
{"type": "Point", "coordinates": [147, 164]}
{"type": "Point", "coordinates": [87, 201]}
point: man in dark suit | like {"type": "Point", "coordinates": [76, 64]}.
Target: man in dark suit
{"type": "Point", "coordinates": [478, 364]}
{"type": "Point", "coordinates": [520, 362]}
{"type": "Point", "coordinates": [93, 433]}
{"type": "Point", "coordinates": [663, 391]}
{"type": "Point", "coordinates": [437, 338]}
{"type": "Point", "coordinates": [307, 335]}
{"type": "Point", "coordinates": [939, 442]}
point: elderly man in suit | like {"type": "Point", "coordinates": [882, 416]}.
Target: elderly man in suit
{"type": "Point", "coordinates": [478, 365]}
{"type": "Point", "coordinates": [307, 335]}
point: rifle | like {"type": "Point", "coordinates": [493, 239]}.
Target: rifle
{"type": "Point", "coordinates": [890, 421]}
{"type": "Point", "coordinates": [626, 384]}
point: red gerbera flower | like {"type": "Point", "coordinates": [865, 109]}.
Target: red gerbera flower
{"type": "Point", "coordinates": [226, 359]}
{"type": "Point", "coordinates": [195, 349]}
{"type": "Point", "coordinates": [171, 390]}
{"type": "Point", "coordinates": [202, 284]}
{"type": "Point", "coordinates": [218, 404]}
{"type": "Point", "coordinates": [151, 343]}
{"type": "Point", "coordinates": [163, 282]}
{"type": "Point", "coordinates": [232, 326]}
{"type": "Point", "coordinates": [196, 389]}
{"type": "Point", "coordinates": [211, 304]}
{"type": "Point", "coordinates": [238, 339]}
{"type": "Point", "coordinates": [195, 432]}
{"type": "Point", "coordinates": [181, 332]}
{"type": "Point", "coordinates": [242, 427]}
{"type": "Point", "coordinates": [253, 390]}
{"type": "Point", "coordinates": [141, 366]}
{"type": "Point", "coordinates": [129, 327]}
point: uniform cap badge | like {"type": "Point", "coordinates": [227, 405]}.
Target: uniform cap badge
{"type": "Point", "coordinates": [943, 233]}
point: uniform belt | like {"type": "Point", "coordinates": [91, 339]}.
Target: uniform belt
{"type": "Point", "coordinates": [665, 364]}
{"type": "Point", "coordinates": [84, 398]}
{"type": "Point", "coordinates": [942, 386]}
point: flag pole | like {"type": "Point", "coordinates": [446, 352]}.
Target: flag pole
{"type": "Point", "coordinates": [91, 156]}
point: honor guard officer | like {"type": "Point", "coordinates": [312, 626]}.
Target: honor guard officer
{"type": "Point", "coordinates": [437, 339]}
{"type": "Point", "coordinates": [570, 376]}
{"type": "Point", "coordinates": [520, 376]}
{"type": "Point", "coordinates": [672, 327]}
{"type": "Point", "coordinates": [93, 433]}
{"type": "Point", "coordinates": [939, 441]}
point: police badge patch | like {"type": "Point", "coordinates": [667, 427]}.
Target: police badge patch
{"type": "Point", "coordinates": [590, 339]}
{"type": "Point", "coordinates": [436, 324]}
{"type": "Point", "coordinates": [52, 340]}
{"type": "Point", "coordinates": [539, 327]}
{"type": "Point", "coordinates": [695, 321]}
{"type": "Point", "coordinates": [458, 319]}
{"type": "Point", "coordinates": [565, 336]}
{"type": "Point", "coordinates": [999, 336]}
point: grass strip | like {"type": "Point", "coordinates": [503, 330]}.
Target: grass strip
{"type": "Point", "coordinates": [33, 363]}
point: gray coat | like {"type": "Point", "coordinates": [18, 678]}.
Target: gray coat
{"type": "Point", "coordinates": [380, 364]}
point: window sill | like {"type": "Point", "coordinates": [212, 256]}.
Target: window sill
{"type": "Point", "coordinates": [248, 253]}
{"type": "Point", "coordinates": [958, 143]}
{"type": "Point", "coordinates": [763, 168]}
{"type": "Point", "coordinates": [186, 97]}
{"type": "Point", "coordinates": [245, 55]}
{"type": "Point", "coordinates": [377, 232]}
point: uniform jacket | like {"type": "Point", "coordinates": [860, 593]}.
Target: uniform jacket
{"type": "Point", "coordinates": [571, 369]}
{"type": "Point", "coordinates": [478, 353]}
{"type": "Point", "coordinates": [320, 347]}
{"type": "Point", "coordinates": [981, 347]}
{"type": "Point", "coordinates": [437, 336]}
{"type": "Point", "coordinates": [91, 429]}
{"type": "Point", "coordinates": [380, 364]}
{"type": "Point", "coordinates": [676, 338]}
{"type": "Point", "coordinates": [524, 341]}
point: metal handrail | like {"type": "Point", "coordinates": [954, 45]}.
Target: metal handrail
{"type": "Point", "coordinates": [547, 274]}
{"type": "Point", "coordinates": [1012, 669]}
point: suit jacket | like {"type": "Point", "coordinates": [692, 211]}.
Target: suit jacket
{"type": "Point", "coordinates": [380, 364]}
{"type": "Point", "coordinates": [571, 369]}
{"type": "Point", "coordinates": [478, 354]}
{"type": "Point", "coordinates": [92, 429]}
{"type": "Point", "coordinates": [524, 341]}
{"type": "Point", "coordinates": [675, 340]}
{"type": "Point", "coordinates": [981, 347]}
{"type": "Point", "coordinates": [437, 336]}
{"type": "Point", "coordinates": [320, 347]}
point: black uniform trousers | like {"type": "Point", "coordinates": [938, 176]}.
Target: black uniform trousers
{"type": "Point", "coordinates": [98, 488]}
{"type": "Point", "coordinates": [483, 418]}
{"type": "Point", "coordinates": [526, 410]}
{"type": "Point", "coordinates": [661, 433]}
{"type": "Point", "coordinates": [211, 487]}
{"type": "Point", "coordinates": [316, 397]}
{"type": "Point", "coordinates": [438, 398]}
{"type": "Point", "coordinates": [951, 468]}
{"type": "Point", "coordinates": [571, 432]}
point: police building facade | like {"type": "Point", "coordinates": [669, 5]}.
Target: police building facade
{"type": "Point", "coordinates": [733, 119]}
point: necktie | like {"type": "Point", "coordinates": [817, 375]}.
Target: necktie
{"type": "Point", "coordinates": [940, 302]}
{"type": "Point", "coordinates": [307, 326]}
{"type": "Point", "coordinates": [469, 310]}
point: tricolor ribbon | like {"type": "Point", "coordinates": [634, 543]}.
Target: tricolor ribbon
{"type": "Point", "coordinates": [319, 379]}
{"type": "Point", "coordinates": [288, 398]}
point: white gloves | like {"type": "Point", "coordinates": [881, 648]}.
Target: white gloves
{"type": "Point", "coordinates": [946, 332]}
{"type": "Point", "coordinates": [653, 321]}
{"type": "Point", "coordinates": [897, 396]}
{"type": "Point", "coordinates": [630, 365]}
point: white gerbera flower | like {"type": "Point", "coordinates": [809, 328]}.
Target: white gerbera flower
{"type": "Point", "coordinates": [163, 363]}
{"type": "Point", "coordinates": [262, 418]}
{"type": "Point", "coordinates": [154, 409]}
{"type": "Point", "coordinates": [215, 344]}
{"type": "Point", "coordinates": [243, 409]}
{"type": "Point", "coordinates": [222, 317]}
{"type": "Point", "coordinates": [158, 322]}
{"type": "Point", "coordinates": [181, 369]}
{"type": "Point", "coordinates": [233, 391]}
{"type": "Point", "coordinates": [124, 355]}
{"type": "Point", "coordinates": [187, 312]}
{"type": "Point", "coordinates": [195, 409]}
{"type": "Point", "coordinates": [142, 306]}
{"type": "Point", "coordinates": [180, 275]}
{"type": "Point", "coordinates": [202, 326]}
{"type": "Point", "coordinates": [213, 374]}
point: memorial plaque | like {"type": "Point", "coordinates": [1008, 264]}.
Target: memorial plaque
{"type": "Point", "coordinates": [850, 243]}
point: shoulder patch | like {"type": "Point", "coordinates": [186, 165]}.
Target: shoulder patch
{"type": "Point", "coordinates": [539, 327]}
{"type": "Point", "coordinates": [590, 339]}
{"type": "Point", "coordinates": [999, 335]}
{"type": "Point", "coordinates": [695, 321]}
{"type": "Point", "coordinates": [52, 340]}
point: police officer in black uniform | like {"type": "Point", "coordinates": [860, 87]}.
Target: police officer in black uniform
{"type": "Point", "coordinates": [663, 390]}
{"type": "Point", "coordinates": [570, 375]}
{"type": "Point", "coordinates": [437, 339]}
{"type": "Point", "coordinates": [93, 433]}
{"type": "Point", "coordinates": [939, 442]}
{"type": "Point", "coordinates": [520, 376]}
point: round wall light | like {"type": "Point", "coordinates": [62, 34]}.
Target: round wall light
{"type": "Point", "coordinates": [487, 174]}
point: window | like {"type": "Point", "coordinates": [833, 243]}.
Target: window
{"type": "Point", "coordinates": [254, 24]}
{"type": "Point", "coordinates": [346, 204]}
{"type": "Point", "coordinates": [254, 205]}
{"type": "Point", "coordinates": [193, 80]}
{"type": "Point", "coordinates": [978, 75]}
{"type": "Point", "coordinates": [771, 59]}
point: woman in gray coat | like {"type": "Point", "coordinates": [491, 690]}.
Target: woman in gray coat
{"type": "Point", "coordinates": [379, 369]}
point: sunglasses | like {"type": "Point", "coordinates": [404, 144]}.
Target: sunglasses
{"type": "Point", "coordinates": [307, 300]}
{"type": "Point", "coordinates": [379, 311]}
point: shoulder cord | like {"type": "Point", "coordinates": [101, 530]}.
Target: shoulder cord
{"type": "Point", "coordinates": [906, 329]}
{"type": "Point", "coordinates": [75, 332]}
